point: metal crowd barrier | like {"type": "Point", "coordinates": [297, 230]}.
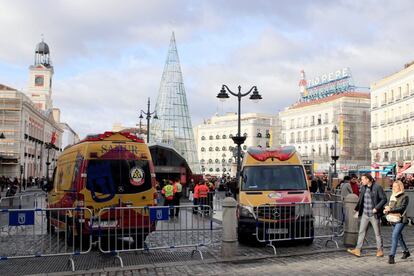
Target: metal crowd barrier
{"type": "Point", "coordinates": [299, 221]}
{"type": "Point", "coordinates": [24, 201]}
{"type": "Point", "coordinates": [126, 229]}
{"type": "Point", "coordinates": [325, 197]}
{"type": "Point", "coordinates": [41, 232]}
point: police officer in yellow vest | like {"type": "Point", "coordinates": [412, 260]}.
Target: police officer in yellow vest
{"type": "Point", "coordinates": [178, 194]}
{"type": "Point", "coordinates": [168, 191]}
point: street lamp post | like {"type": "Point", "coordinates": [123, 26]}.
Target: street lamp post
{"type": "Point", "coordinates": [334, 155]}
{"type": "Point", "coordinates": [148, 114]}
{"type": "Point", "coordinates": [48, 147]}
{"type": "Point", "coordinates": [2, 137]}
{"type": "Point", "coordinates": [238, 140]}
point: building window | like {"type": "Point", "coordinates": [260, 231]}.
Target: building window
{"type": "Point", "coordinates": [223, 149]}
{"type": "Point", "coordinates": [210, 137]}
{"type": "Point", "coordinates": [203, 149]}
{"type": "Point", "coordinates": [210, 161]}
{"type": "Point", "coordinates": [217, 161]}
{"type": "Point", "coordinates": [259, 135]}
{"type": "Point", "coordinates": [203, 138]}
{"type": "Point", "coordinates": [267, 133]}
{"type": "Point", "coordinates": [210, 149]}
{"type": "Point", "coordinates": [211, 169]}
{"type": "Point", "coordinates": [319, 119]}
{"type": "Point", "coordinates": [245, 134]}
{"type": "Point", "coordinates": [231, 148]}
{"type": "Point", "coordinates": [231, 136]}
{"type": "Point", "coordinates": [230, 160]}
{"type": "Point", "coordinates": [244, 147]}
{"type": "Point", "coordinates": [224, 137]}
{"type": "Point", "coordinates": [202, 161]}
{"type": "Point", "coordinates": [217, 149]}
{"type": "Point", "coordinates": [217, 169]}
{"type": "Point", "coordinates": [223, 160]}
{"type": "Point", "coordinates": [217, 137]}
{"type": "Point", "coordinates": [267, 144]}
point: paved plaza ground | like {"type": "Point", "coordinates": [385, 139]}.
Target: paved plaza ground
{"type": "Point", "coordinates": [251, 258]}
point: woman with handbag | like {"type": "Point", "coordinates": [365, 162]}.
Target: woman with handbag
{"type": "Point", "coordinates": [396, 214]}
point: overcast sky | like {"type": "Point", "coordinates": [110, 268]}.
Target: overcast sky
{"type": "Point", "coordinates": [109, 56]}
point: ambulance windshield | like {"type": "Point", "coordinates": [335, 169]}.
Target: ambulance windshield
{"type": "Point", "coordinates": [284, 177]}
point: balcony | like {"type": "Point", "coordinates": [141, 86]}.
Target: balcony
{"type": "Point", "coordinates": [311, 139]}
{"type": "Point", "coordinates": [398, 97]}
{"type": "Point", "coordinates": [374, 105]}
{"type": "Point", "coordinates": [382, 122]}
{"type": "Point", "coordinates": [412, 92]}
{"type": "Point", "coordinates": [319, 138]}
{"type": "Point", "coordinates": [406, 116]}
{"type": "Point", "coordinates": [406, 94]}
{"type": "Point", "coordinates": [374, 146]}
{"type": "Point", "coordinates": [312, 123]}
{"type": "Point", "coordinates": [397, 118]}
{"type": "Point", "coordinates": [383, 103]}
{"type": "Point", "coordinates": [291, 141]}
{"type": "Point", "coordinates": [305, 125]}
{"type": "Point", "coordinates": [305, 140]}
{"type": "Point", "coordinates": [325, 121]}
{"type": "Point", "coordinates": [374, 124]}
{"type": "Point", "coordinates": [325, 138]}
{"type": "Point", "coordinates": [299, 140]}
{"type": "Point", "coordinates": [412, 114]}
{"type": "Point", "coordinates": [390, 120]}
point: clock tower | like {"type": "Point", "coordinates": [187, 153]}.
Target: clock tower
{"type": "Point", "coordinates": [40, 78]}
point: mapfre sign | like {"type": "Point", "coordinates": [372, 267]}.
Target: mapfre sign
{"type": "Point", "coordinates": [329, 84]}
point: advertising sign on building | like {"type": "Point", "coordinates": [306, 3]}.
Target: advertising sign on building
{"type": "Point", "coordinates": [329, 84]}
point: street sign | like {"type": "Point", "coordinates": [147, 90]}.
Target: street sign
{"type": "Point", "coordinates": [159, 213]}
{"type": "Point", "coordinates": [18, 218]}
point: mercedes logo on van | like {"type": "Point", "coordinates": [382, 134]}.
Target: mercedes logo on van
{"type": "Point", "coordinates": [276, 214]}
{"type": "Point", "coordinates": [275, 195]}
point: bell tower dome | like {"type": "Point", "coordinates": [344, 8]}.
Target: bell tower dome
{"type": "Point", "coordinates": [40, 77]}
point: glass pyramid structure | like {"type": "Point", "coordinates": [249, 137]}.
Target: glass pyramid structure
{"type": "Point", "coordinates": [173, 126]}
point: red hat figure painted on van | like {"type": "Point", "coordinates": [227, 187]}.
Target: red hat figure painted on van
{"type": "Point", "coordinates": [283, 153]}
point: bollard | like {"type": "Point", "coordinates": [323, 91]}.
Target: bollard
{"type": "Point", "coordinates": [229, 237]}
{"type": "Point", "coordinates": [351, 223]}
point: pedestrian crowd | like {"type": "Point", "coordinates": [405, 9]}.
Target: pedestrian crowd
{"type": "Point", "coordinates": [12, 185]}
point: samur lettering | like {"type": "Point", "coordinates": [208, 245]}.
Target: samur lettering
{"type": "Point", "coordinates": [119, 148]}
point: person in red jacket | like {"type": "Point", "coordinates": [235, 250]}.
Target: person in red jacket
{"type": "Point", "coordinates": [354, 184]}
{"type": "Point", "coordinates": [201, 192]}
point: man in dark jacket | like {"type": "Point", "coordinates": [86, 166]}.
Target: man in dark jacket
{"type": "Point", "coordinates": [370, 207]}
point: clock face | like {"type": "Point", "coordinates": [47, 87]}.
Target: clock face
{"type": "Point", "coordinates": [39, 80]}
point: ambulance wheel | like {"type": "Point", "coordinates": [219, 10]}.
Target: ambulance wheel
{"type": "Point", "coordinates": [308, 241]}
{"type": "Point", "coordinates": [243, 237]}
{"type": "Point", "coordinates": [49, 227]}
{"type": "Point", "coordinates": [71, 240]}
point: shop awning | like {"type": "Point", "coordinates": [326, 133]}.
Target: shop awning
{"type": "Point", "coordinates": [404, 168]}
{"type": "Point", "coordinates": [410, 170]}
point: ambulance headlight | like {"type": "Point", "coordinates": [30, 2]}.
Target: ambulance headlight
{"type": "Point", "coordinates": [246, 211]}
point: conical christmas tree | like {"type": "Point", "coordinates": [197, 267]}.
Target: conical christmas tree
{"type": "Point", "coordinates": [173, 126]}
